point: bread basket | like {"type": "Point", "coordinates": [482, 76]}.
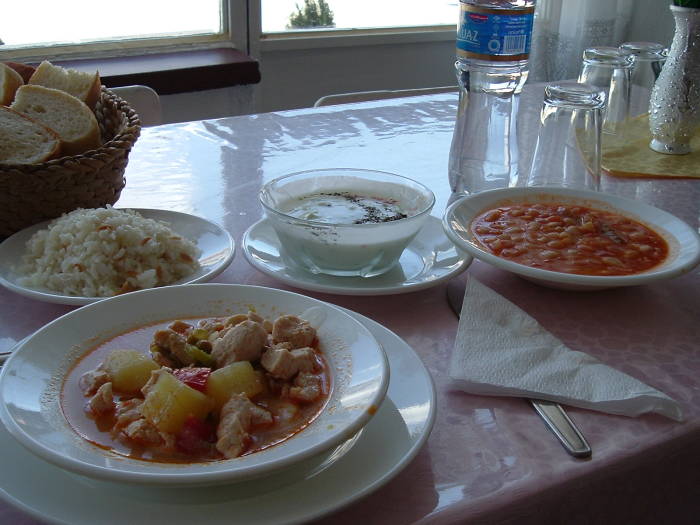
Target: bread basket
{"type": "Point", "coordinates": [32, 193]}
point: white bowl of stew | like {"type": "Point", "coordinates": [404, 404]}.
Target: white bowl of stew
{"type": "Point", "coordinates": [44, 404]}
{"type": "Point", "coordinates": [572, 239]}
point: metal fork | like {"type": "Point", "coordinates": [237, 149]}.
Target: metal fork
{"type": "Point", "coordinates": [4, 356]}
{"type": "Point", "coordinates": [554, 416]}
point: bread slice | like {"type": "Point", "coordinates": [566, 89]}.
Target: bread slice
{"type": "Point", "coordinates": [26, 71]}
{"type": "Point", "coordinates": [10, 80]}
{"type": "Point", "coordinates": [85, 86]}
{"type": "Point", "coordinates": [25, 141]}
{"type": "Point", "coordinates": [74, 122]}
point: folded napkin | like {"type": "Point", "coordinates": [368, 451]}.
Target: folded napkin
{"type": "Point", "coordinates": [502, 351]}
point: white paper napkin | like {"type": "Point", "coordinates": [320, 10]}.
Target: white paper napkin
{"type": "Point", "coordinates": [502, 351]}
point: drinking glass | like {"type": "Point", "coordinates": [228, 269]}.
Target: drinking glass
{"type": "Point", "coordinates": [648, 59]}
{"type": "Point", "coordinates": [610, 70]}
{"type": "Point", "coordinates": [567, 152]}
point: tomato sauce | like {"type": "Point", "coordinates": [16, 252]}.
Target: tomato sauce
{"type": "Point", "coordinates": [569, 239]}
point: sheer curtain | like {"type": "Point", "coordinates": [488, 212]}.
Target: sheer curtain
{"type": "Point", "coordinates": [564, 28]}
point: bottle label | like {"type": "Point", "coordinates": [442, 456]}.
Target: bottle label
{"type": "Point", "coordinates": [494, 34]}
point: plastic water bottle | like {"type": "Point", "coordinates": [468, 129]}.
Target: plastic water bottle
{"type": "Point", "coordinates": [493, 45]}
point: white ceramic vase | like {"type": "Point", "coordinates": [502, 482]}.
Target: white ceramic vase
{"type": "Point", "coordinates": [674, 110]}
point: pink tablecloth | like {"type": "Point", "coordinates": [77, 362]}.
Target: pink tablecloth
{"type": "Point", "coordinates": [488, 460]}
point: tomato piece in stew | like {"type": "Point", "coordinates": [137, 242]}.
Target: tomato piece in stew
{"type": "Point", "coordinates": [570, 239]}
{"type": "Point", "coordinates": [194, 377]}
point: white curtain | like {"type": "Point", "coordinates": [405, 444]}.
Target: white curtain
{"type": "Point", "coordinates": [564, 28]}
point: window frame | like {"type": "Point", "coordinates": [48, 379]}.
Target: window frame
{"type": "Point", "coordinates": [234, 28]}
{"type": "Point", "coordinates": [353, 37]}
{"type": "Point", "coordinates": [320, 38]}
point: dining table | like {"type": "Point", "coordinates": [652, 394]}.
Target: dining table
{"type": "Point", "coordinates": [477, 459]}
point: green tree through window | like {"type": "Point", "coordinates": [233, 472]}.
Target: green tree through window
{"type": "Point", "coordinates": [315, 13]}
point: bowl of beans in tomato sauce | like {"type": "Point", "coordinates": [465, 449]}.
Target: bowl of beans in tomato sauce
{"type": "Point", "coordinates": [572, 239]}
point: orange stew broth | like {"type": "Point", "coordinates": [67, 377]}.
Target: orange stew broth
{"type": "Point", "coordinates": [97, 430]}
{"type": "Point", "coordinates": [569, 239]}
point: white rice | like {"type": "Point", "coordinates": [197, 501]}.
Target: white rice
{"type": "Point", "coordinates": [104, 252]}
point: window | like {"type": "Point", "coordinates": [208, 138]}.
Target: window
{"type": "Point", "coordinates": [37, 28]}
{"type": "Point", "coordinates": [365, 14]}
{"type": "Point", "coordinates": [34, 29]}
{"type": "Point", "coordinates": [77, 21]}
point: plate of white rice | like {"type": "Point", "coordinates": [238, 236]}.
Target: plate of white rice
{"type": "Point", "coordinates": [90, 254]}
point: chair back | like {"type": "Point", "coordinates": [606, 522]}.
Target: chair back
{"type": "Point", "coordinates": [144, 100]}
{"type": "Point", "coordinates": [363, 96]}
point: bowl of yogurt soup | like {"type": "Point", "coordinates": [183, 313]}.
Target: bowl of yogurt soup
{"type": "Point", "coordinates": [343, 221]}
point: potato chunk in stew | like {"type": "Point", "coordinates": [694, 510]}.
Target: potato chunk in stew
{"type": "Point", "coordinates": [129, 370]}
{"type": "Point", "coordinates": [169, 402]}
{"type": "Point", "coordinates": [236, 378]}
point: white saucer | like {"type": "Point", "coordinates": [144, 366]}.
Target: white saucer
{"type": "Point", "coordinates": [387, 444]}
{"type": "Point", "coordinates": [216, 244]}
{"type": "Point", "coordinates": [430, 259]}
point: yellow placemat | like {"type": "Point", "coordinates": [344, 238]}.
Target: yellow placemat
{"type": "Point", "coordinates": [630, 155]}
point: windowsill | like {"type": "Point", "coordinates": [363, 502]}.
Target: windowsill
{"type": "Point", "coordinates": [176, 72]}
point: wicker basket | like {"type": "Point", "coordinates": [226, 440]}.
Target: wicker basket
{"type": "Point", "coordinates": [31, 193]}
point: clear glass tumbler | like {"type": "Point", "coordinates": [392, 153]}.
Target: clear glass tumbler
{"type": "Point", "coordinates": [610, 70]}
{"type": "Point", "coordinates": [649, 59]}
{"type": "Point", "coordinates": [568, 148]}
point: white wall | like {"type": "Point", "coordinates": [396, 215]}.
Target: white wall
{"type": "Point", "coordinates": [297, 78]}
{"type": "Point", "coordinates": [651, 22]}
{"type": "Point", "coordinates": [208, 104]}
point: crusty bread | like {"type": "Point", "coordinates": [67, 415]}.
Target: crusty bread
{"type": "Point", "coordinates": [25, 141]}
{"type": "Point", "coordinates": [74, 122]}
{"type": "Point", "coordinates": [25, 70]}
{"type": "Point", "coordinates": [10, 80]}
{"type": "Point", "coordinates": [85, 86]}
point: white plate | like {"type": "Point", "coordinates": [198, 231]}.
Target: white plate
{"type": "Point", "coordinates": [387, 444]}
{"type": "Point", "coordinates": [217, 245]}
{"type": "Point", "coordinates": [429, 259]}
{"type": "Point", "coordinates": [31, 381]}
{"type": "Point", "coordinates": [683, 242]}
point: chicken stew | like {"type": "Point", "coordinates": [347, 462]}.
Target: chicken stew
{"type": "Point", "coordinates": [199, 389]}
